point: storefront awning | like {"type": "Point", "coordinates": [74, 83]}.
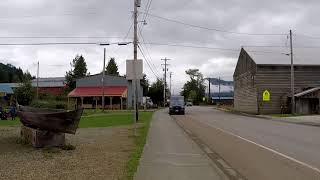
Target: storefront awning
{"type": "Point", "coordinates": [120, 91]}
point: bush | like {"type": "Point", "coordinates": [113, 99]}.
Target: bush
{"type": "Point", "coordinates": [52, 104]}
{"type": "Point", "coordinates": [25, 93]}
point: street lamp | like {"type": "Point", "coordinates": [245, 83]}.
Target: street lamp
{"type": "Point", "coordinates": [104, 66]}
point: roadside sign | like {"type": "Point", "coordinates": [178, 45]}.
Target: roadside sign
{"type": "Point", "coordinates": [130, 64]}
{"type": "Point", "coordinates": [266, 96]}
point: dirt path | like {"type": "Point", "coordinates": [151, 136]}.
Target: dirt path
{"type": "Point", "coordinates": [101, 153]}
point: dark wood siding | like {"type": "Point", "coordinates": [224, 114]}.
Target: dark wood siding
{"type": "Point", "coordinates": [245, 89]}
{"type": "Point", "coordinates": [276, 79]}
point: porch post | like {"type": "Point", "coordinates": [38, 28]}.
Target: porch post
{"type": "Point", "coordinates": [121, 103]}
{"type": "Point", "coordinates": [111, 102]}
{"type": "Point", "coordinates": [82, 102]}
{"type": "Point", "coordinates": [96, 102]}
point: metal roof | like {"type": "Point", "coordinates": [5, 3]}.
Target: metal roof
{"type": "Point", "coordinates": [97, 91]}
{"type": "Point", "coordinates": [277, 56]}
{"type": "Point", "coordinates": [307, 92]}
{"type": "Point", "coordinates": [50, 82]}
{"type": "Point", "coordinates": [6, 89]}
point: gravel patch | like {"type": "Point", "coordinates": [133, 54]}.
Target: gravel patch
{"type": "Point", "coordinates": [101, 153]}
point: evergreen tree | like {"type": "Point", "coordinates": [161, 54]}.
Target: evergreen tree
{"type": "Point", "coordinates": [112, 67]}
{"type": "Point", "coordinates": [78, 70]}
{"type": "Point", "coordinates": [156, 92]}
{"type": "Point", "coordinates": [145, 85]}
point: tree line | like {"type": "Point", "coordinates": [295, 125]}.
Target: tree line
{"type": "Point", "coordinates": [193, 90]}
{"type": "Point", "coordinates": [11, 74]}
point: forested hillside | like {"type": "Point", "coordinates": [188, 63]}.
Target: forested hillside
{"type": "Point", "coordinates": [11, 74]}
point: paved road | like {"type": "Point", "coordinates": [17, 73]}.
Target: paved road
{"type": "Point", "coordinates": [297, 144]}
{"type": "Point", "coordinates": [171, 155]}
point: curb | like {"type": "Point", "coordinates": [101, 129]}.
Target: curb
{"type": "Point", "coordinates": [268, 118]}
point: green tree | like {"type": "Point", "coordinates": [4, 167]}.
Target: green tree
{"type": "Point", "coordinates": [11, 74]}
{"type": "Point", "coordinates": [25, 92]}
{"type": "Point", "coordinates": [78, 70]}
{"type": "Point", "coordinates": [194, 89]}
{"type": "Point", "coordinates": [145, 85]}
{"type": "Point", "coordinates": [156, 92]}
{"type": "Point", "coordinates": [112, 67]}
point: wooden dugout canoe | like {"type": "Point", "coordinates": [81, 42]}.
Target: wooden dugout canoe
{"type": "Point", "coordinates": [55, 120]}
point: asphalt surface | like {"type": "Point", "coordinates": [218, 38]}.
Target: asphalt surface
{"type": "Point", "coordinates": [170, 154]}
{"type": "Point", "coordinates": [258, 147]}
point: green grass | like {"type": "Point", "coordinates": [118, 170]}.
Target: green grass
{"type": "Point", "coordinates": [140, 141]}
{"type": "Point", "coordinates": [90, 119]}
{"type": "Point", "coordinates": [10, 122]}
{"type": "Point", "coordinates": [105, 120]}
{"type": "Point", "coordinates": [88, 112]}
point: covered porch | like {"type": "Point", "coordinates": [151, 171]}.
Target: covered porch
{"type": "Point", "coordinates": [115, 97]}
{"type": "Point", "coordinates": [308, 101]}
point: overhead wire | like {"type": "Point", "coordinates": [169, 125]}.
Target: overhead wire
{"type": "Point", "coordinates": [144, 41]}
{"type": "Point", "coordinates": [148, 63]}
{"type": "Point", "coordinates": [212, 29]}
{"type": "Point", "coordinates": [58, 37]}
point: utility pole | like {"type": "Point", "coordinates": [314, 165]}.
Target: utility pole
{"type": "Point", "coordinates": [103, 75]}
{"type": "Point", "coordinates": [293, 108]}
{"type": "Point", "coordinates": [170, 84]}
{"type": "Point", "coordinates": [219, 90]}
{"type": "Point", "coordinates": [38, 80]}
{"type": "Point", "coordinates": [209, 92]}
{"type": "Point", "coordinates": [165, 80]}
{"type": "Point", "coordinates": [135, 59]}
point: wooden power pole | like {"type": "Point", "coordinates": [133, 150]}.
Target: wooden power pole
{"type": "Point", "coordinates": [38, 80]}
{"type": "Point", "coordinates": [293, 107]}
{"type": "Point", "coordinates": [165, 80]}
{"type": "Point", "coordinates": [135, 59]}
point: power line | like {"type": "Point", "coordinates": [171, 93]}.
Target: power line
{"type": "Point", "coordinates": [307, 36]}
{"type": "Point", "coordinates": [154, 70]}
{"type": "Point", "coordinates": [191, 46]}
{"type": "Point", "coordinates": [49, 15]}
{"type": "Point", "coordinates": [58, 37]}
{"type": "Point", "coordinates": [149, 60]}
{"type": "Point", "coordinates": [211, 29]}
{"type": "Point", "coordinates": [144, 41]}
{"type": "Point", "coordinates": [148, 63]}
{"type": "Point", "coordinates": [56, 43]}
{"type": "Point", "coordinates": [210, 48]}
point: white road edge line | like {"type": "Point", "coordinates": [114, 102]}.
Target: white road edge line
{"type": "Point", "coordinates": [267, 148]}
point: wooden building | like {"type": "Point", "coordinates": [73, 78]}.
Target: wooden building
{"type": "Point", "coordinates": [262, 83]}
{"type": "Point", "coordinates": [118, 92]}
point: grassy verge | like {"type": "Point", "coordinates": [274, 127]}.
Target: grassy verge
{"type": "Point", "coordinates": [93, 119]}
{"type": "Point", "coordinates": [140, 141]}
{"type": "Point", "coordinates": [9, 122]}
{"type": "Point", "coordinates": [105, 120]}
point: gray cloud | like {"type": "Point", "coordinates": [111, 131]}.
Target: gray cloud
{"type": "Point", "coordinates": [112, 18]}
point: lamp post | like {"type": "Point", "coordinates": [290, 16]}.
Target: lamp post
{"type": "Point", "coordinates": [104, 67]}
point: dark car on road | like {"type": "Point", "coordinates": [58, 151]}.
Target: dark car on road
{"type": "Point", "coordinates": [176, 105]}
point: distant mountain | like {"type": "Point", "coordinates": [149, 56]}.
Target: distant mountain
{"type": "Point", "coordinates": [215, 81]}
{"type": "Point", "coordinates": [11, 74]}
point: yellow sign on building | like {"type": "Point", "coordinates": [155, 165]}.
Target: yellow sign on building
{"type": "Point", "coordinates": [2, 94]}
{"type": "Point", "coordinates": [266, 96]}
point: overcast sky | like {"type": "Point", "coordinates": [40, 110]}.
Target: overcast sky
{"type": "Point", "coordinates": [113, 18]}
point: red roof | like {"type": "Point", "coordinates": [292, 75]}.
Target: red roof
{"type": "Point", "coordinates": [97, 91]}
